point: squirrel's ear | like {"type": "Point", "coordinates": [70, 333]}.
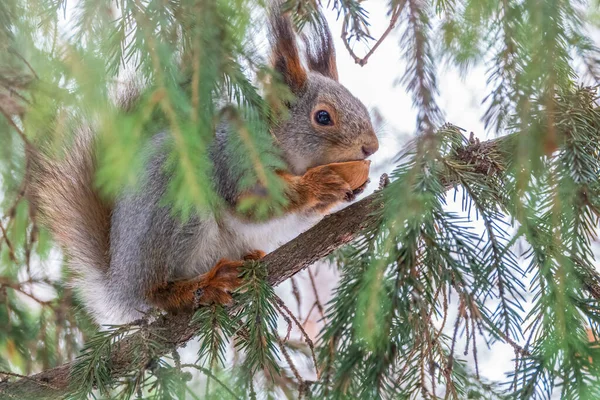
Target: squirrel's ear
{"type": "Point", "coordinates": [320, 52]}
{"type": "Point", "coordinates": [285, 56]}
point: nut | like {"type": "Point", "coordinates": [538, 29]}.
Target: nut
{"type": "Point", "coordinates": [355, 173]}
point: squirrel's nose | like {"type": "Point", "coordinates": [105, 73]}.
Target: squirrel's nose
{"type": "Point", "coordinates": [370, 147]}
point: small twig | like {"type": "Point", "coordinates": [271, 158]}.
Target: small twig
{"type": "Point", "coordinates": [429, 353]}
{"type": "Point", "coordinates": [211, 376]}
{"type": "Point", "coordinates": [282, 307]}
{"type": "Point", "coordinates": [28, 378]}
{"type": "Point", "coordinates": [16, 127]}
{"type": "Point", "coordinates": [474, 332]}
{"type": "Point", "coordinates": [12, 91]}
{"type": "Point", "coordinates": [424, 391]}
{"type": "Point", "coordinates": [289, 361]}
{"type": "Point", "coordinates": [288, 322]}
{"type": "Point", "coordinates": [314, 287]}
{"type": "Point", "coordinates": [296, 293]}
{"type": "Point", "coordinates": [468, 335]}
{"type": "Point", "coordinates": [450, 388]}
{"type": "Point", "coordinates": [314, 305]}
{"type": "Point", "coordinates": [515, 382]}
{"type": "Point", "coordinates": [176, 359]}
{"type": "Point", "coordinates": [329, 363]}
{"type": "Point", "coordinates": [16, 53]}
{"type": "Point", "coordinates": [445, 317]}
{"type": "Point", "coordinates": [407, 359]}
{"type": "Point", "coordinates": [304, 388]}
{"type": "Point", "coordinates": [20, 290]}
{"type": "Point", "coordinates": [461, 311]}
{"type": "Point", "coordinates": [393, 20]}
{"type": "Point", "coordinates": [11, 251]}
{"type": "Point", "coordinates": [514, 345]}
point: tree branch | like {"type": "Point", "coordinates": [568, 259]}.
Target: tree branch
{"type": "Point", "coordinates": [174, 331]}
{"type": "Point", "coordinates": [334, 231]}
{"type": "Point", "coordinates": [397, 9]}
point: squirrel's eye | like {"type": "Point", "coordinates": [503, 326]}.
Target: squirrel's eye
{"type": "Point", "coordinates": [322, 117]}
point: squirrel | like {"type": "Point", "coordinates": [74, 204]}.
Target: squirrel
{"type": "Point", "coordinates": [131, 255]}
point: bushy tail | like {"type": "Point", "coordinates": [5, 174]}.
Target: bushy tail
{"type": "Point", "coordinates": [62, 191]}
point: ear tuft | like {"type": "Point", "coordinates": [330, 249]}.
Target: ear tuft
{"type": "Point", "coordinates": [320, 51]}
{"type": "Point", "coordinates": [285, 56]}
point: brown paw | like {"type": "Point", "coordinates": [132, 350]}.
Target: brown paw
{"type": "Point", "coordinates": [356, 173]}
{"type": "Point", "coordinates": [326, 186]}
{"type": "Point", "coordinates": [216, 285]}
{"type": "Point", "coordinates": [334, 183]}
{"type": "Point", "coordinates": [213, 287]}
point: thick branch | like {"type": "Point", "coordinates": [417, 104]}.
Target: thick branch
{"type": "Point", "coordinates": [331, 233]}
{"type": "Point", "coordinates": [173, 331]}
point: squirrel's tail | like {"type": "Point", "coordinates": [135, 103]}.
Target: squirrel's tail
{"type": "Point", "coordinates": [62, 192]}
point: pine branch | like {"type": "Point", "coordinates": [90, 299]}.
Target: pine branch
{"type": "Point", "coordinates": [331, 233]}
{"type": "Point", "coordinates": [174, 331]}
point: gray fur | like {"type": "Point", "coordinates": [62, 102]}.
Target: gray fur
{"type": "Point", "coordinates": [150, 246]}
{"type": "Point", "coordinates": [147, 246]}
{"type": "Point", "coordinates": [305, 145]}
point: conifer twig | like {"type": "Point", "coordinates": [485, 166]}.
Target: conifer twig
{"type": "Point", "coordinates": [281, 308]}
{"type": "Point", "coordinates": [393, 21]}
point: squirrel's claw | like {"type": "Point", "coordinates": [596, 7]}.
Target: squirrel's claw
{"type": "Point", "coordinates": [350, 196]}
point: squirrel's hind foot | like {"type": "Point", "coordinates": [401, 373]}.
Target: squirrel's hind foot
{"type": "Point", "coordinates": [216, 285]}
{"type": "Point", "coordinates": [255, 255]}
{"type": "Point", "coordinates": [212, 287]}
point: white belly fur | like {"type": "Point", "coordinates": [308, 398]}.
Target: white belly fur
{"type": "Point", "coordinates": [268, 236]}
{"type": "Point", "coordinates": [234, 238]}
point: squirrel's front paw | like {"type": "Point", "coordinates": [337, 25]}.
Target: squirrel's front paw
{"type": "Point", "coordinates": [326, 186]}
{"type": "Point", "coordinates": [334, 183]}
{"type": "Point", "coordinates": [356, 173]}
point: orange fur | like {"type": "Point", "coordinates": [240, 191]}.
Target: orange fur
{"type": "Point", "coordinates": [322, 187]}
{"type": "Point", "coordinates": [214, 286]}
{"type": "Point", "coordinates": [325, 186]}
{"type": "Point", "coordinates": [356, 173]}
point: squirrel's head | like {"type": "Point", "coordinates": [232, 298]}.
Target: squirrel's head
{"type": "Point", "coordinates": [326, 122]}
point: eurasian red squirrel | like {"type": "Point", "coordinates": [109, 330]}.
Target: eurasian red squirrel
{"type": "Point", "coordinates": [132, 255]}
